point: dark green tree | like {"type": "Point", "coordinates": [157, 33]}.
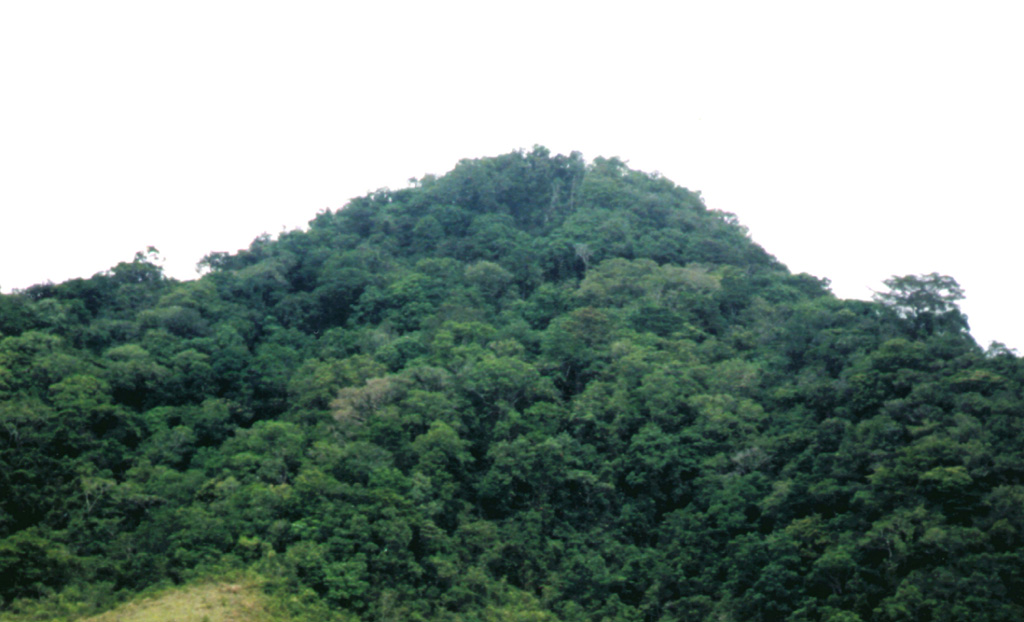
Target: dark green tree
{"type": "Point", "coordinates": [927, 302]}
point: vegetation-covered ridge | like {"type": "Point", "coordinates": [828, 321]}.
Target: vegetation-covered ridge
{"type": "Point", "coordinates": [532, 388]}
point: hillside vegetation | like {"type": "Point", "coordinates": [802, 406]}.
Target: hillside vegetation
{"type": "Point", "coordinates": [530, 389]}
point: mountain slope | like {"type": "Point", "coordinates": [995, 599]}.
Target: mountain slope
{"type": "Point", "coordinates": [530, 388]}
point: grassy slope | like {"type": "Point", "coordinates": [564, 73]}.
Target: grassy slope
{"type": "Point", "coordinates": [212, 601]}
{"type": "Point", "coordinates": [206, 602]}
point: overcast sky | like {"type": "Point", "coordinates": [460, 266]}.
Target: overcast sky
{"type": "Point", "coordinates": [855, 140]}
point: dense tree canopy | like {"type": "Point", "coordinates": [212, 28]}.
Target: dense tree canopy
{"type": "Point", "coordinates": [533, 388]}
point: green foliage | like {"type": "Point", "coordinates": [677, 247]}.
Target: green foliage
{"type": "Point", "coordinates": [531, 389]}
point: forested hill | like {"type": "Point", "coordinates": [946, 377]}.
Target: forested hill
{"type": "Point", "coordinates": [530, 389]}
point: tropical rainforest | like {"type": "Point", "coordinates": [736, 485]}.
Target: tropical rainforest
{"type": "Point", "coordinates": [533, 388]}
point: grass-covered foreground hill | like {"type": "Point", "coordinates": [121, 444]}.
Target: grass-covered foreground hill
{"type": "Point", "coordinates": [533, 388]}
{"type": "Point", "coordinates": [203, 602]}
{"type": "Point", "coordinates": [238, 598]}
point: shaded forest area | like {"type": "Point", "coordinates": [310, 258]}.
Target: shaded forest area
{"type": "Point", "coordinates": [530, 389]}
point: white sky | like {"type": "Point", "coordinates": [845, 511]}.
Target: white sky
{"type": "Point", "coordinates": [855, 140]}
